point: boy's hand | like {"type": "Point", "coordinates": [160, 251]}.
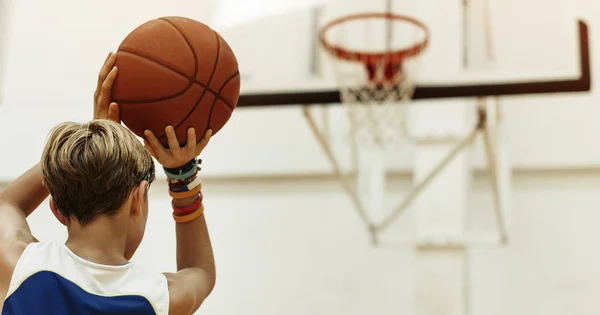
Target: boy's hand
{"type": "Point", "coordinates": [175, 156]}
{"type": "Point", "coordinates": [103, 108]}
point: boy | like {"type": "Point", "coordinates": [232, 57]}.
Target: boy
{"type": "Point", "coordinates": [97, 175]}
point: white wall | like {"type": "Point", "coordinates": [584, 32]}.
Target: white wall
{"type": "Point", "coordinates": [5, 15]}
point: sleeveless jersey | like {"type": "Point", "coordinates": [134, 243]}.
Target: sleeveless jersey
{"type": "Point", "coordinates": [50, 279]}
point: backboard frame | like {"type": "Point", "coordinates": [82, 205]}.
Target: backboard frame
{"type": "Point", "coordinates": [423, 92]}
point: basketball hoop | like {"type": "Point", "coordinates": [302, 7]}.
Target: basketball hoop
{"type": "Point", "coordinates": [376, 84]}
{"type": "Point", "coordinates": [375, 80]}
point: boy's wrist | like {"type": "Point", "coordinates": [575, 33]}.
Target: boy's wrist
{"type": "Point", "coordinates": [185, 187]}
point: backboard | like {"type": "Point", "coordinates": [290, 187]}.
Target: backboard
{"type": "Point", "coordinates": [478, 47]}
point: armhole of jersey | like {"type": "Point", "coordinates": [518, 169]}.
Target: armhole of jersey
{"type": "Point", "coordinates": [167, 306]}
{"type": "Point", "coordinates": [17, 276]}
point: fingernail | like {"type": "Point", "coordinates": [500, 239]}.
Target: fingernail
{"type": "Point", "coordinates": [147, 132]}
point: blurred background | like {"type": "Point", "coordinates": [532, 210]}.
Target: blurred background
{"type": "Point", "coordinates": [286, 237]}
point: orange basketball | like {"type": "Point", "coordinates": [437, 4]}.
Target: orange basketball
{"type": "Point", "coordinates": [176, 71]}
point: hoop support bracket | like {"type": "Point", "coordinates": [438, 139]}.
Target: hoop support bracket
{"type": "Point", "coordinates": [481, 128]}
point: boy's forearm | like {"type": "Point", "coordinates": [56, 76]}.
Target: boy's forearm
{"type": "Point", "coordinates": [27, 192]}
{"type": "Point", "coordinates": [194, 249]}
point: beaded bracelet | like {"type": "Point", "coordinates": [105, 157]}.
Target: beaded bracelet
{"type": "Point", "coordinates": [197, 181]}
{"type": "Point", "coordinates": [184, 171]}
{"type": "Point", "coordinates": [175, 184]}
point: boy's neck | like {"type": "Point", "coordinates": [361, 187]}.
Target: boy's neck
{"type": "Point", "coordinates": [102, 241]}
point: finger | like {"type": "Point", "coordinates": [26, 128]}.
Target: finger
{"type": "Point", "coordinates": [113, 113]}
{"type": "Point", "coordinates": [110, 53]}
{"type": "Point", "coordinates": [204, 142]}
{"type": "Point", "coordinates": [149, 148]}
{"type": "Point", "coordinates": [109, 81]}
{"type": "Point", "coordinates": [191, 140]}
{"type": "Point", "coordinates": [106, 93]}
{"type": "Point", "coordinates": [172, 140]}
{"type": "Point", "coordinates": [158, 149]}
{"type": "Point", "coordinates": [106, 68]}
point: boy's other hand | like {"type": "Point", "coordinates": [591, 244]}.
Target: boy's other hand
{"type": "Point", "coordinates": [103, 108]}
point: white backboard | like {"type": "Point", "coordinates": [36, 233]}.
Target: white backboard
{"type": "Point", "coordinates": [490, 41]}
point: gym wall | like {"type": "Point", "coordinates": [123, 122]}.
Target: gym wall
{"type": "Point", "coordinates": [5, 32]}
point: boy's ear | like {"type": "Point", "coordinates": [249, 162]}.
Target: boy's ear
{"type": "Point", "coordinates": [57, 213]}
{"type": "Point", "coordinates": [139, 196]}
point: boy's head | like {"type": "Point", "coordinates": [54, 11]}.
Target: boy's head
{"type": "Point", "coordinates": [98, 171]}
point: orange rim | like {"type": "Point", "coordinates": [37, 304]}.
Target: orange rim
{"type": "Point", "coordinates": [394, 56]}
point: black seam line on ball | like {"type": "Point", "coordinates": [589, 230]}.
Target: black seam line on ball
{"type": "Point", "coordinates": [212, 74]}
{"type": "Point", "coordinates": [191, 79]}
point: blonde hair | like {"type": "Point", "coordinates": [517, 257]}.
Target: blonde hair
{"type": "Point", "coordinates": [91, 168]}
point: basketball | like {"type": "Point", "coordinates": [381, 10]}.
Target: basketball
{"type": "Point", "coordinates": [175, 71]}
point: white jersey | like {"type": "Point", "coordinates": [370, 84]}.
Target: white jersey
{"type": "Point", "coordinates": [50, 279]}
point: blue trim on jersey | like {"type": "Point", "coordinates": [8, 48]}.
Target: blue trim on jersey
{"type": "Point", "coordinates": [48, 293]}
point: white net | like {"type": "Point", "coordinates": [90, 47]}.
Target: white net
{"type": "Point", "coordinates": [376, 91]}
{"type": "Point", "coordinates": [378, 109]}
